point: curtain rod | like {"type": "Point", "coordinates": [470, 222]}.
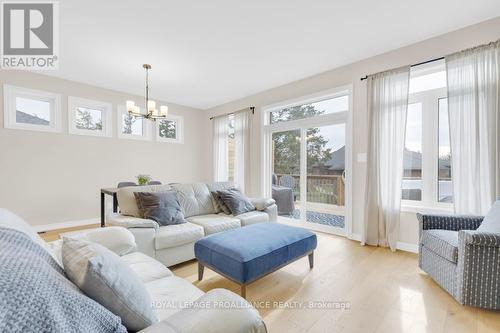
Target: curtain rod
{"type": "Point", "coordinates": [441, 58]}
{"type": "Point", "coordinates": [414, 65]}
{"type": "Point", "coordinates": [252, 108]}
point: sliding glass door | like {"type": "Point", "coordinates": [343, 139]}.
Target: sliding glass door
{"type": "Point", "coordinates": [325, 179]}
{"type": "Point", "coordinates": [308, 163]}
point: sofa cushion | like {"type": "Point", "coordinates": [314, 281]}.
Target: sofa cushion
{"type": "Point", "coordinates": [102, 276]}
{"type": "Point", "coordinates": [237, 202]}
{"type": "Point", "coordinates": [162, 207]}
{"type": "Point", "coordinates": [126, 198]}
{"type": "Point", "coordinates": [169, 295]}
{"type": "Point", "coordinates": [146, 268]}
{"type": "Point", "coordinates": [217, 186]}
{"type": "Point", "coordinates": [178, 234]}
{"type": "Point", "coordinates": [252, 217]}
{"type": "Point", "coordinates": [442, 242]}
{"type": "Point", "coordinates": [195, 199]}
{"type": "Point", "coordinates": [213, 223]}
{"type": "Point", "coordinates": [491, 222]}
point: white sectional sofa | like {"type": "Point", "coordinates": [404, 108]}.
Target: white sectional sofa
{"type": "Point", "coordinates": [175, 243]}
{"type": "Point", "coordinates": [179, 305]}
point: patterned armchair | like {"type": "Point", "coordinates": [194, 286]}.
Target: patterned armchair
{"type": "Point", "coordinates": [462, 254]}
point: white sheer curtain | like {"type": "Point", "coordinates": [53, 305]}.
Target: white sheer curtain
{"type": "Point", "coordinates": [220, 148]}
{"type": "Point", "coordinates": [387, 108]}
{"type": "Point", "coordinates": [242, 128]}
{"type": "Point", "coordinates": [473, 90]}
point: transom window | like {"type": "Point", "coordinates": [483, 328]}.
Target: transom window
{"type": "Point", "coordinates": [170, 129]}
{"type": "Point", "coordinates": [29, 109]}
{"type": "Point", "coordinates": [130, 127]}
{"type": "Point", "coordinates": [427, 157]}
{"type": "Point", "coordinates": [89, 117]}
{"type": "Point", "coordinates": [301, 111]}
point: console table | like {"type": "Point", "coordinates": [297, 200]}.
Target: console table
{"type": "Point", "coordinates": [111, 192]}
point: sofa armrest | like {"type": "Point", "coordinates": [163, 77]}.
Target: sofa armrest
{"type": "Point", "coordinates": [120, 220]}
{"type": "Point", "coordinates": [219, 310]}
{"type": "Point", "coordinates": [479, 238]}
{"type": "Point", "coordinates": [262, 203]}
{"type": "Point", "coordinates": [449, 222]}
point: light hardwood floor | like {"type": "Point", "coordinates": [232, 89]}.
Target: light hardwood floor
{"type": "Point", "coordinates": [386, 292]}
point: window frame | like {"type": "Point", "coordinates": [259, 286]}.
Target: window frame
{"type": "Point", "coordinates": [179, 129]}
{"type": "Point", "coordinates": [12, 92]}
{"type": "Point", "coordinates": [106, 109]}
{"type": "Point", "coordinates": [430, 153]}
{"type": "Point", "coordinates": [146, 127]}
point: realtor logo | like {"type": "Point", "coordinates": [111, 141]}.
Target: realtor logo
{"type": "Point", "coordinates": [30, 35]}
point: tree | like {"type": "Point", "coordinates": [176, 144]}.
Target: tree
{"type": "Point", "coordinates": [286, 145]}
{"type": "Point", "coordinates": [167, 129]}
{"type": "Point", "coordinates": [85, 120]}
{"type": "Point", "coordinates": [128, 121]}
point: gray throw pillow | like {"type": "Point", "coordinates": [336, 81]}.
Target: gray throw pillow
{"type": "Point", "coordinates": [236, 201]}
{"type": "Point", "coordinates": [162, 207]}
{"type": "Point", "coordinates": [220, 204]}
{"type": "Point", "coordinates": [104, 277]}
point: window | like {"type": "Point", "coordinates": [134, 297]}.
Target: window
{"type": "Point", "coordinates": [412, 158]}
{"type": "Point", "coordinates": [445, 188]}
{"type": "Point", "coordinates": [170, 129]}
{"type": "Point", "coordinates": [307, 110]}
{"type": "Point", "coordinates": [88, 117]}
{"type": "Point", "coordinates": [130, 127]}
{"type": "Point", "coordinates": [427, 157]}
{"type": "Point", "coordinates": [29, 109]}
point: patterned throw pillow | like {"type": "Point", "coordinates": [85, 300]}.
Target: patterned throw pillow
{"type": "Point", "coordinates": [162, 207]}
{"type": "Point", "coordinates": [220, 204]}
{"type": "Point", "coordinates": [236, 201]}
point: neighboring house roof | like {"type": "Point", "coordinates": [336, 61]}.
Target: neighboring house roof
{"type": "Point", "coordinates": [25, 118]}
{"type": "Point", "coordinates": [411, 160]}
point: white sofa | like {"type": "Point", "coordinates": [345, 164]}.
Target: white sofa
{"type": "Point", "coordinates": [175, 244]}
{"type": "Point", "coordinates": [170, 294]}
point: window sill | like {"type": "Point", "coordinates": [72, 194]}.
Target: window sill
{"type": "Point", "coordinates": [426, 209]}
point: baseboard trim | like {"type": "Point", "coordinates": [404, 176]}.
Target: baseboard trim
{"type": "Point", "coordinates": [68, 224]}
{"type": "Point", "coordinates": [408, 247]}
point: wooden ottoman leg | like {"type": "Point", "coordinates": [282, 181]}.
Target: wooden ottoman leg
{"type": "Point", "coordinates": [200, 271]}
{"type": "Point", "coordinates": [244, 291]}
{"type": "Point", "coordinates": [311, 260]}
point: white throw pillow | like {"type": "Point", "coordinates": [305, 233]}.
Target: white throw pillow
{"type": "Point", "coordinates": [101, 275]}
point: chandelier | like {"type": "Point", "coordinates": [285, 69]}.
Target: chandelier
{"type": "Point", "coordinates": [151, 110]}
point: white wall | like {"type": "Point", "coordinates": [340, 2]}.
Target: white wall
{"type": "Point", "coordinates": [55, 177]}
{"type": "Point", "coordinates": [350, 74]}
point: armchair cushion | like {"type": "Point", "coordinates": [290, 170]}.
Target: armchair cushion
{"type": "Point", "coordinates": [442, 242]}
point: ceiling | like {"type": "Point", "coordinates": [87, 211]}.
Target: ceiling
{"type": "Point", "coordinates": [206, 53]}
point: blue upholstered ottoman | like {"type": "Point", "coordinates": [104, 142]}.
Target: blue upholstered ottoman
{"type": "Point", "coordinates": [246, 254]}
